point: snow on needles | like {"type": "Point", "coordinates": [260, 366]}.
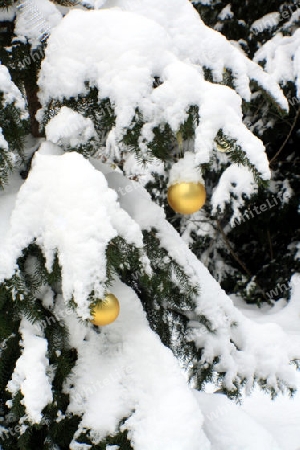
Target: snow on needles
{"type": "Point", "coordinates": [67, 207]}
{"type": "Point", "coordinates": [185, 171]}
{"type": "Point", "coordinates": [245, 349]}
{"type": "Point", "coordinates": [3, 142]}
{"type": "Point", "coordinates": [281, 55]}
{"type": "Point", "coordinates": [69, 128]}
{"type": "Point", "coordinates": [11, 93]}
{"type": "Point", "coordinates": [234, 182]}
{"type": "Point", "coordinates": [125, 372]}
{"type": "Point", "coordinates": [35, 19]}
{"type": "Point", "coordinates": [30, 374]}
{"type": "Point", "coordinates": [115, 53]}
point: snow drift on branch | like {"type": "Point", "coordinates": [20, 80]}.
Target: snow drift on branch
{"type": "Point", "coordinates": [11, 94]}
{"type": "Point", "coordinates": [30, 374]}
{"type": "Point", "coordinates": [135, 377]}
{"type": "Point", "coordinates": [281, 55]}
{"type": "Point", "coordinates": [114, 52]}
{"type": "Point", "coordinates": [67, 207]}
{"type": "Point", "coordinates": [246, 350]}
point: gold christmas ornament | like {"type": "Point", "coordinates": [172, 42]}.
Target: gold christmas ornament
{"type": "Point", "coordinates": [186, 198]}
{"type": "Point", "coordinates": [106, 311]}
{"type": "Point", "coordinates": [223, 145]}
{"type": "Point", "coordinates": [223, 148]}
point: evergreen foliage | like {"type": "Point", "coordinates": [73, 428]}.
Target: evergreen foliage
{"type": "Point", "coordinates": [260, 252]}
{"type": "Point", "coordinates": [267, 238]}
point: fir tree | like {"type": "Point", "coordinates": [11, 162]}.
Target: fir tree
{"type": "Point", "coordinates": [119, 99]}
{"type": "Point", "coordinates": [254, 248]}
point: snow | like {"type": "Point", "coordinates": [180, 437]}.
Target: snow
{"type": "Point", "coordinates": [7, 204]}
{"type": "Point", "coordinates": [185, 171]}
{"type": "Point", "coordinates": [144, 173]}
{"type": "Point", "coordinates": [135, 377]}
{"type": "Point", "coordinates": [281, 55]}
{"type": "Point", "coordinates": [233, 182]}
{"type": "Point", "coordinates": [7, 13]}
{"type": "Point", "coordinates": [74, 207]}
{"type": "Point", "coordinates": [226, 13]}
{"type": "Point", "coordinates": [3, 143]}
{"type": "Point", "coordinates": [69, 129]}
{"type": "Point", "coordinates": [30, 373]}
{"type": "Point", "coordinates": [280, 417]}
{"type": "Point", "coordinates": [264, 23]}
{"type": "Point", "coordinates": [246, 349]}
{"type": "Point", "coordinates": [228, 427]}
{"type": "Point", "coordinates": [35, 20]}
{"type": "Point", "coordinates": [11, 94]}
{"type": "Point", "coordinates": [174, 53]}
{"type": "Point", "coordinates": [74, 214]}
{"type": "Point", "coordinates": [294, 18]}
{"type": "Point", "coordinates": [201, 44]}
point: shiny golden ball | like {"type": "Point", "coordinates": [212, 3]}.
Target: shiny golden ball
{"type": "Point", "coordinates": [106, 311]}
{"type": "Point", "coordinates": [224, 147]}
{"type": "Point", "coordinates": [186, 198]}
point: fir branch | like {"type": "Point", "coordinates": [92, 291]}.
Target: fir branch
{"type": "Point", "coordinates": [287, 137]}
{"type": "Point", "coordinates": [238, 260]}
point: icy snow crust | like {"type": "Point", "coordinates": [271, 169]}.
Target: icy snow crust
{"type": "Point", "coordinates": [115, 53]}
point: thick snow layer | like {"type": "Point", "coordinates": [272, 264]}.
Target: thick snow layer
{"type": "Point", "coordinates": [125, 371]}
{"type": "Point", "coordinates": [202, 45]}
{"type": "Point", "coordinates": [281, 417]}
{"type": "Point", "coordinates": [281, 55]}
{"type": "Point", "coordinates": [114, 53]}
{"type": "Point", "coordinates": [185, 170]}
{"type": "Point", "coordinates": [69, 128]}
{"type": "Point", "coordinates": [228, 427]}
{"type": "Point", "coordinates": [286, 315]}
{"type": "Point", "coordinates": [35, 20]}
{"type": "Point", "coordinates": [246, 349]}
{"type": "Point", "coordinates": [122, 381]}
{"type": "Point", "coordinates": [66, 205]}
{"type": "Point", "coordinates": [30, 374]}
{"type": "Point", "coordinates": [11, 93]}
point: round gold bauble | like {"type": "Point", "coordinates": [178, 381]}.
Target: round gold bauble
{"type": "Point", "coordinates": [186, 198]}
{"type": "Point", "coordinates": [106, 311]}
{"type": "Point", "coordinates": [224, 147]}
